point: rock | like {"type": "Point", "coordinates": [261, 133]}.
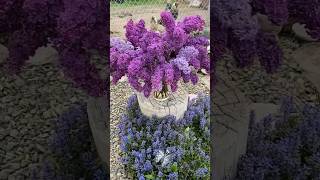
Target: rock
{"type": "Point", "coordinates": [266, 25]}
{"type": "Point", "coordinates": [14, 133]}
{"type": "Point", "coordinates": [4, 173]}
{"type": "Point", "coordinates": [44, 55]}
{"type": "Point", "coordinates": [19, 82]}
{"type": "Point", "coordinates": [206, 81]}
{"type": "Point", "coordinates": [11, 177]}
{"type": "Point", "coordinates": [195, 3]}
{"type": "Point", "coordinates": [40, 148]}
{"type": "Point", "coordinates": [192, 96]}
{"type": "Point", "coordinates": [308, 57]}
{"type": "Point", "coordinates": [301, 32]}
{"type": "Point", "coordinates": [4, 53]}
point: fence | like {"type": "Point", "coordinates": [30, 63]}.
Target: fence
{"type": "Point", "coordinates": [123, 10]}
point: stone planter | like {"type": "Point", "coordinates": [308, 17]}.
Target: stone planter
{"type": "Point", "coordinates": [230, 117]}
{"type": "Point", "coordinates": [176, 104]}
{"type": "Point", "coordinates": [98, 116]}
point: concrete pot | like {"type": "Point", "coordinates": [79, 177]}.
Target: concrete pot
{"type": "Point", "coordinates": [176, 104]}
{"type": "Point", "coordinates": [230, 117]}
{"type": "Point", "coordinates": [98, 116]}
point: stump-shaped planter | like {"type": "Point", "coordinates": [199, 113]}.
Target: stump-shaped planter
{"type": "Point", "coordinates": [230, 117]}
{"type": "Point", "coordinates": [98, 116]}
{"type": "Point", "coordinates": [175, 105]}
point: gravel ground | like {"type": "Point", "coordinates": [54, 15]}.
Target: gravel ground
{"type": "Point", "coordinates": [119, 95]}
{"type": "Point", "coordinates": [28, 104]}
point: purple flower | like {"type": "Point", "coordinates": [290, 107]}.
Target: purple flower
{"type": "Point", "coordinates": [173, 176]}
{"type": "Point", "coordinates": [188, 52]}
{"type": "Point", "coordinates": [192, 23]}
{"type": "Point", "coordinates": [168, 20]}
{"type": "Point", "coordinates": [157, 79]}
{"type": "Point", "coordinates": [203, 122]}
{"type": "Point", "coordinates": [147, 166]}
{"type": "Point", "coordinates": [201, 172]}
{"type": "Point", "coordinates": [182, 64]}
{"type": "Point", "coordinates": [120, 44]}
{"type": "Point", "coordinates": [160, 174]}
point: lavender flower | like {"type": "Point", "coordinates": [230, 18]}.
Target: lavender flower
{"type": "Point", "coordinates": [182, 64]}
{"type": "Point", "coordinates": [201, 172]}
{"type": "Point", "coordinates": [188, 52]}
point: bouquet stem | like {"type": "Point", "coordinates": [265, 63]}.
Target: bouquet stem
{"type": "Point", "coordinates": [163, 94]}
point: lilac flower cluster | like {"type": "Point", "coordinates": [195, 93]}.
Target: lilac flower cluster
{"type": "Point", "coordinates": [285, 146]}
{"type": "Point", "coordinates": [75, 28]}
{"type": "Point", "coordinates": [73, 152]}
{"type": "Point", "coordinates": [236, 28]}
{"type": "Point", "coordinates": [166, 148]}
{"type": "Point", "coordinates": [276, 10]}
{"type": "Point", "coordinates": [152, 60]}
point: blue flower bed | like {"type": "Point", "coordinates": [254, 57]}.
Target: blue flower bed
{"type": "Point", "coordinates": [166, 148]}
{"type": "Point", "coordinates": [285, 146]}
{"type": "Point", "coordinates": [73, 152]}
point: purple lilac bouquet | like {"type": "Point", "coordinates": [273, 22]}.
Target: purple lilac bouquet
{"type": "Point", "coordinates": [74, 28]}
{"type": "Point", "coordinates": [236, 28]}
{"type": "Point", "coordinates": [153, 148]}
{"type": "Point", "coordinates": [156, 61]}
{"type": "Point", "coordinates": [285, 146]}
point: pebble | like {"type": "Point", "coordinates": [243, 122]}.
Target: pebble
{"type": "Point", "coordinates": [14, 133]}
{"type": "Point", "coordinates": [4, 173]}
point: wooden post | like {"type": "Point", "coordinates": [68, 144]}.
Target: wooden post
{"type": "Point", "coordinates": [98, 115]}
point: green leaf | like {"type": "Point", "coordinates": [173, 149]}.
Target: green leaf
{"type": "Point", "coordinates": [149, 176]}
{"type": "Point", "coordinates": [174, 167]}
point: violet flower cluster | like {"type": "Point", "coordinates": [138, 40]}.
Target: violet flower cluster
{"type": "Point", "coordinates": [166, 148]}
{"type": "Point", "coordinates": [74, 28]}
{"type": "Point", "coordinates": [151, 60]}
{"type": "Point", "coordinates": [284, 146]}
{"type": "Point", "coordinates": [72, 149]}
{"type": "Point", "coordinates": [236, 28]}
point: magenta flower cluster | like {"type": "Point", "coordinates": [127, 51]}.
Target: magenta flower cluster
{"type": "Point", "coordinates": [77, 30]}
{"type": "Point", "coordinates": [150, 59]}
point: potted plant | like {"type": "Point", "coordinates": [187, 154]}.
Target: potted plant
{"type": "Point", "coordinates": [155, 62]}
